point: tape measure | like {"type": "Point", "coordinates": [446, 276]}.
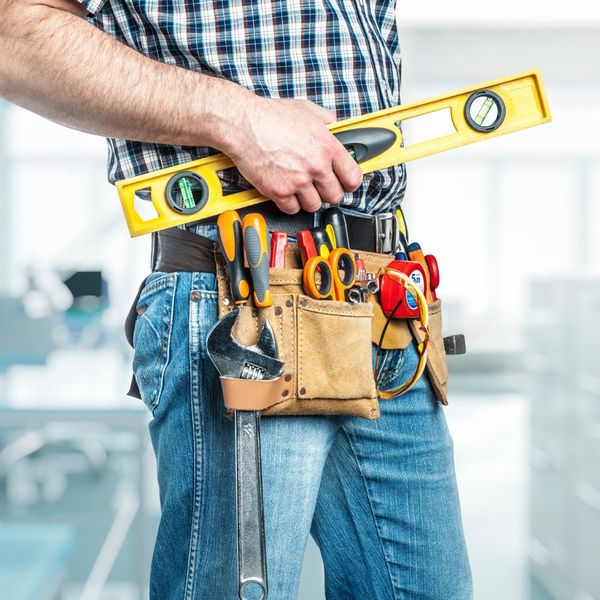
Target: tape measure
{"type": "Point", "coordinates": [193, 191]}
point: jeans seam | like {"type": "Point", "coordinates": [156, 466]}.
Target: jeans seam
{"type": "Point", "coordinates": [168, 346]}
{"type": "Point", "coordinates": [375, 521]}
{"type": "Point", "coordinates": [193, 359]}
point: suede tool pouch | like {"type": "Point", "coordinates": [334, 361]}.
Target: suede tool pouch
{"type": "Point", "coordinates": [327, 345]}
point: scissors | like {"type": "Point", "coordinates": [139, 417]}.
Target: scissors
{"type": "Point", "coordinates": [329, 278]}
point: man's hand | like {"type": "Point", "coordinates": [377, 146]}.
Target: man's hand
{"type": "Point", "coordinates": [285, 150]}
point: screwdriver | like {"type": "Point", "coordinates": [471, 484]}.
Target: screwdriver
{"type": "Point", "coordinates": [229, 226]}
{"type": "Point", "coordinates": [322, 241]}
{"type": "Point", "coordinates": [335, 226]}
{"type": "Point", "coordinates": [416, 254]}
{"type": "Point", "coordinates": [254, 230]}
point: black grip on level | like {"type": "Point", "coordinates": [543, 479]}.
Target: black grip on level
{"type": "Point", "coordinates": [366, 142]}
{"type": "Point", "coordinates": [334, 218]}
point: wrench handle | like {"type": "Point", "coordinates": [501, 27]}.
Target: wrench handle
{"type": "Point", "coordinates": [252, 560]}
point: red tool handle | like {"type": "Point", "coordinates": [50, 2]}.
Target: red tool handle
{"type": "Point", "coordinates": [306, 243]}
{"type": "Point", "coordinates": [279, 242]}
{"type": "Point", "coordinates": [434, 274]}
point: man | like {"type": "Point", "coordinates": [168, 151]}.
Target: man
{"type": "Point", "coordinates": [172, 80]}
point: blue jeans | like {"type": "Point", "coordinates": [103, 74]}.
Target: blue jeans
{"type": "Point", "coordinates": [378, 496]}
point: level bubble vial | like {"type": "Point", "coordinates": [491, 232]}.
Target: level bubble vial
{"type": "Point", "coordinates": [187, 192]}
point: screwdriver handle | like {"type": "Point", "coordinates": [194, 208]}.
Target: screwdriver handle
{"type": "Point", "coordinates": [229, 226]}
{"type": "Point", "coordinates": [322, 241]}
{"type": "Point", "coordinates": [335, 225]}
{"type": "Point", "coordinates": [254, 229]}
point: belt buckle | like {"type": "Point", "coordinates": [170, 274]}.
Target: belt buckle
{"type": "Point", "coordinates": [386, 233]}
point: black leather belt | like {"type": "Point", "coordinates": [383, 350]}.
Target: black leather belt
{"type": "Point", "coordinates": [371, 233]}
{"type": "Point", "coordinates": [180, 250]}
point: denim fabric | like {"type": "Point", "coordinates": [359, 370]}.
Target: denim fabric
{"type": "Point", "coordinates": [379, 497]}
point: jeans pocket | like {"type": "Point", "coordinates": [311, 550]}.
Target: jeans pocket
{"type": "Point", "coordinates": [392, 370]}
{"type": "Point", "coordinates": [152, 335]}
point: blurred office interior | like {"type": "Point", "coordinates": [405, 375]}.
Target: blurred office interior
{"type": "Point", "coordinates": [513, 224]}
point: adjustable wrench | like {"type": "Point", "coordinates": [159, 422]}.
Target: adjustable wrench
{"type": "Point", "coordinates": [231, 359]}
{"type": "Point", "coordinates": [258, 361]}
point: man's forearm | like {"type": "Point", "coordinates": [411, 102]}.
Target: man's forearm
{"type": "Point", "coordinates": [56, 64]}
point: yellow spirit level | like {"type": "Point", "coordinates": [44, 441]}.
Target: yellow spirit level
{"type": "Point", "coordinates": [193, 191]}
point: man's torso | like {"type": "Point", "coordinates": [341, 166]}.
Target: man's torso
{"type": "Point", "coordinates": [341, 54]}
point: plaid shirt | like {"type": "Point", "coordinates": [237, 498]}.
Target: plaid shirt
{"type": "Point", "coordinates": [341, 54]}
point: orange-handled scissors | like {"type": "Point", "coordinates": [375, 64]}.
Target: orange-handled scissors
{"type": "Point", "coordinates": [329, 278]}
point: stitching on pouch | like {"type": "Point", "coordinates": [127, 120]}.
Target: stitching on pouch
{"type": "Point", "coordinates": [300, 348]}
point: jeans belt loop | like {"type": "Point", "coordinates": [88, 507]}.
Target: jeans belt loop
{"type": "Point", "coordinates": [386, 233]}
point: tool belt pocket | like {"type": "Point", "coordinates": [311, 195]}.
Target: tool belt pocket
{"type": "Point", "coordinates": [401, 332]}
{"type": "Point", "coordinates": [325, 345]}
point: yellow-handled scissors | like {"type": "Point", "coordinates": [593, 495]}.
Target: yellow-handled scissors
{"type": "Point", "coordinates": [329, 278]}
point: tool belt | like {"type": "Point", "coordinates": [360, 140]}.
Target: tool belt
{"type": "Point", "coordinates": [326, 345]}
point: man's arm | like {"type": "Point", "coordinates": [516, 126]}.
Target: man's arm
{"type": "Point", "coordinates": [54, 63]}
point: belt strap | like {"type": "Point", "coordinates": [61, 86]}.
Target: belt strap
{"type": "Point", "coordinates": [180, 250]}
{"type": "Point", "coordinates": [277, 220]}
{"type": "Point", "coordinates": [370, 233]}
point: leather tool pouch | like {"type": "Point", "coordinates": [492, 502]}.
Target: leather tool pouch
{"type": "Point", "coordinates": [327, 345]}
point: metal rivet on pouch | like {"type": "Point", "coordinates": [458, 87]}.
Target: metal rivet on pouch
{"type": "Point", "coordinates": [226, 301]}
{"type": "Point", "coordinates": [285, 393]}
{"type": "Point", "coordinates": [303, 302]}
{"type": "Point", "coordinates": [302, 391]}
{"type": "Point", "coordinates": [195, 296]}
{"type": "Point", "coordinates": [278, 310]}
{"type": "Point", "coordinates": [288, 377]}
{"type": "Point", "coordinates": [289, 303]}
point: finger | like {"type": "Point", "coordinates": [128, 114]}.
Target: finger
{"type": "Point", "coordinates": [330, 189]}
{"type": "Point", "coordinates": [348, 172]}
{"type": "Point", "coordinates": [309, 198]}
{"type": "Point", "coordinates": [289, 205]}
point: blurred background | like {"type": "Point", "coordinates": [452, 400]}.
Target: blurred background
{"type": "Point", "coordinates": [513, 225]}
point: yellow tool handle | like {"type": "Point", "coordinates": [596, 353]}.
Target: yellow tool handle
{"type": "Point", "coordinates": [317, 269]}
{"type": "Point", "coordinates": [342, 263]}
{"type": "Point", "coordinates": [229, 226]}
{"type": "Point", "coordinates": [254, 229]}
{"type": "Point", "coordinates": [520, 103]}
{"type": "Point", "coordinates": [329, 278]}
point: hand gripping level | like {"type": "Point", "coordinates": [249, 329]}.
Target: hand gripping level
{"type": "Point", "coordinates": [193, 191]}
{"type": "Point", "coordinates": [259, 361]}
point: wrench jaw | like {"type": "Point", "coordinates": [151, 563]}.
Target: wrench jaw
{"type": "Point", "coordinates": [232, 359]}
